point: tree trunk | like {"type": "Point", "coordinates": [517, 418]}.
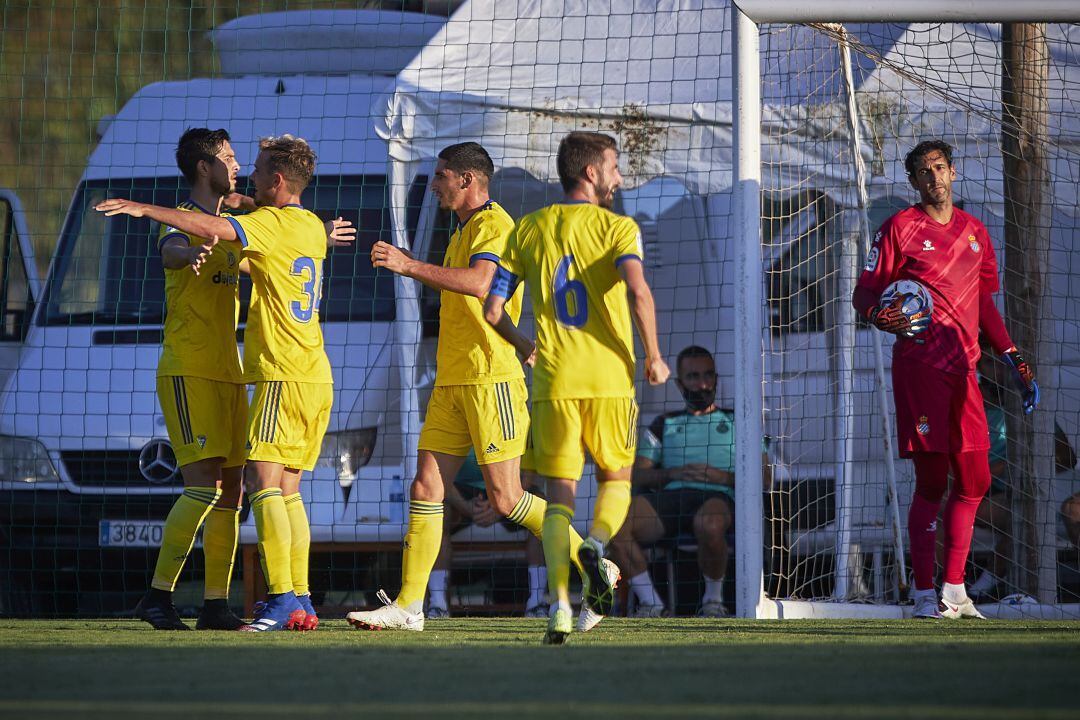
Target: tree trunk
{"type": "Point", "coordinates": [1025, 65]}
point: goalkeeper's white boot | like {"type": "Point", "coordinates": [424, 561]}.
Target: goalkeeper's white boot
{"type": "Point", "coordinates": [926, 605]}
{"type": "Point", "coordinates": [589, 618]}
{"type": "Point", "coordinates": [955, 603]}
{"type": "Point", "coordinates": [390, 616]}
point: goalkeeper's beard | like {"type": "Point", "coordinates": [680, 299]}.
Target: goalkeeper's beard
{"type": "Point", "coordinates": [698, 400]}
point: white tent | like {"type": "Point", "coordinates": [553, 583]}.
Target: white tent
{"type": "Point", "coordinates": [517, 75]}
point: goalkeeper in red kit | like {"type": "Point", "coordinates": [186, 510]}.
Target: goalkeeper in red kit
{"type": "Point", "coordinates": [940, 420]}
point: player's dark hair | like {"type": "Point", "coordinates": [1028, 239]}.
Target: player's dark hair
{"type": "Point", "coordinates": [691, 351]}
{"type": "Point", "coordinates": [924, 148]}
{"type": "Point", "coordinates": [292, 157]}
{"type": "Point", "coordinates": [579, 150]}
{"type": "Point", "coordinates": [468, 157]}
{"type": "Point", "coordinates": [198, 144]}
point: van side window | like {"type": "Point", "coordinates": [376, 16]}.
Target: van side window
{"type": "Point", "coordinates": [108, 269]}
{"type": "Point", "coordinates": [353, 291]}
{"type": "Point", "coordinates": [16, 303]}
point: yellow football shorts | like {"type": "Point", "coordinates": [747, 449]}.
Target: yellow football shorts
{"type": "Point", "coordinates": [563, 429]}
{"type": "Point", "coordinates": [204, 418]}
{"type": "Point", "coordinates": [287, 422]}
{"type": "Point", "coordinates": [492, 419]}
{"type": "Point", "coordinates": [528, 458]}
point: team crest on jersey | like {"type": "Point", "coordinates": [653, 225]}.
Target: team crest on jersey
{"type": "Point", "coordinates": [202, 441]}
{"type": "Point", "coordinates": [928, 245]}
{"type": "Point", "coordinates": [973, 243]}
{"type": "Point", "coordinates": [923, 426]}
{"type": "Point", "coordinates": [723, 426]}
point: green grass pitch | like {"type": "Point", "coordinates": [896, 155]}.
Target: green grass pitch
{"type": "Point", "coordinates": [496, 668]}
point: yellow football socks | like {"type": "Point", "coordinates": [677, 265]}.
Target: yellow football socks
{"type": "Point", "coordinates": [272, 527]}
{"type": "Point", "coordinates": [422, 543]}
{"type": "Point", "coordinates": [220, 535]}
{"type": "Point", "coordinates": [609, 512]}
{"type": "Point", "coordinates": [187, 514]}
{"type": "Point", "coordinates": [556, 539]}
{"type": "Point", "coordinates": [301, 542]}
{"type": "Point", "coordinates": [529, 514]}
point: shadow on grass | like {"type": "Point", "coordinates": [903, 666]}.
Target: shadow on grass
{"type": "Point", "coordinates": [501, 667]}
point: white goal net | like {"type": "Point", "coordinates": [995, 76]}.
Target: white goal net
{"type": "Point", "coordinates": [1006, 98]}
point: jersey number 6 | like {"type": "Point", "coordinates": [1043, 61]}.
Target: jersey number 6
{"type": "Point", "coordinates": [304, 309]}
{"type": "Point", "coordinates": [571, 300]}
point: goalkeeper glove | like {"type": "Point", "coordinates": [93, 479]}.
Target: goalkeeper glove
{"type": "Point", "coordinates": [892, 319]}
{"type": "Point", "coordinates": [1024, 377]}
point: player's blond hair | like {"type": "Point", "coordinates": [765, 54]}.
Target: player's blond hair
{"type": "Point", "coordinates": [292, 157]}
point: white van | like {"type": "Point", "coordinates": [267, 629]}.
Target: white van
{"type": "Point", "coordinates": [87, 475]}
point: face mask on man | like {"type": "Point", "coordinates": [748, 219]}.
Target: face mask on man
{"type": "Point", "coordinates": [698, 400]}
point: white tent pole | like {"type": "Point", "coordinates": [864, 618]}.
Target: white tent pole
{"type": "Point", "coordinates": [746, 191]}
{"type": "Point", "coordinates": [846, 555]}
{"type": "Point", "coordinates": [879, 360]}
{"type": "Point", "coordinates": [407, 324]}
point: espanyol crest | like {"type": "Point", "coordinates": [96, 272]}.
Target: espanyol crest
{"type": "Point", "coordinates": [923, 426]}
{"type": "Point", "coordinates": [973, 243]}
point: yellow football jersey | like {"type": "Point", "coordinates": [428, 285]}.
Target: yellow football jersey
{"type": "Point", "coordinates": [568, 254]}
{"type": "Point", "coordinates": [283, 341]}
{"type": "Point", "coordinates": [470, 351]}
{"type": "Point", "coordinates": [201, 312]}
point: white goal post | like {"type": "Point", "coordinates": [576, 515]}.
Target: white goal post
{"type": "Point", "coordinates": [766, 182]}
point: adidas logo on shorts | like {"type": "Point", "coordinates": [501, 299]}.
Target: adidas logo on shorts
{"type": "Point", "coordinates": [491, 449]}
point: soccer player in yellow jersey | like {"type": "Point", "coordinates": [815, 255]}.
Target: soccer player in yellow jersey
{"type": "Point", "coordinates": [583, 267]}
{"type": "Point", "coordinates": [201, 390]}
{"type": "Point", "coordinates": [479, 400]}
{"type": "Point", "coordinates": [283, 357]}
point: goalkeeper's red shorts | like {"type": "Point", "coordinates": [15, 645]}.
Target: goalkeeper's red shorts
{"type": "Point", "coordinates": [937, 411]}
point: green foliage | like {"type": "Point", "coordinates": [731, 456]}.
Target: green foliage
{"type": "Point", "coordinates": [64, 65]}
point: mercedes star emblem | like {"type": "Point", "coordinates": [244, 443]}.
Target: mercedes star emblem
{"type": "Point", "coordinates": [157, 463]}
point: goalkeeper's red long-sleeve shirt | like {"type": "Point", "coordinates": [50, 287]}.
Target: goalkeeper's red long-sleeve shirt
{"type": "Point", "coordinates": [955, 262]}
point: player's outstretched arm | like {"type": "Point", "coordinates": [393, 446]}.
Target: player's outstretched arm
{"type": "Point", "coordinates": [177, 254]}
{"type": "Point", "coordinates": [194, 223]}
{"type": "Point", "coordinates": [643, 310]}
{"type": "Point", "coordinates": [495, 315]}
{"type": "Point", "coordinates": [340, 232]}
{"type": "Point", "coordinates": [473, 280]}
{"type": "Point", "coordinates": [239, 201]}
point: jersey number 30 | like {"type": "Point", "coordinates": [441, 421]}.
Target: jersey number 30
{"type": "Point", "coordinates": [571, 300]}
{"type": "Point", "coordinates": [304, 308]}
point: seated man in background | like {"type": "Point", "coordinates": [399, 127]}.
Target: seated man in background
{"type": "Point", "coordinates": [467, 503]}
{"type": "Point", "coordinates": [1071, 510]}
{"type": "Point", "coordinates": [995, 510]}
{"type": "Point", "coordinates": [685, 475]}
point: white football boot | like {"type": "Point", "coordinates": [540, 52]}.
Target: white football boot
{"type": "Point", "coordinates": [389, 617]}
{"type": "Point", "coordinates": [955, 604]}
{"type": "Point", "coordinates": [589, 618]}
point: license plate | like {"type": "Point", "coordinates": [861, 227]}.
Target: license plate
{"type": "Point", "coordinates": [130, 533]}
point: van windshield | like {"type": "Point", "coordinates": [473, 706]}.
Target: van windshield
{"type": "Point", "coordinates": [108, 270]}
